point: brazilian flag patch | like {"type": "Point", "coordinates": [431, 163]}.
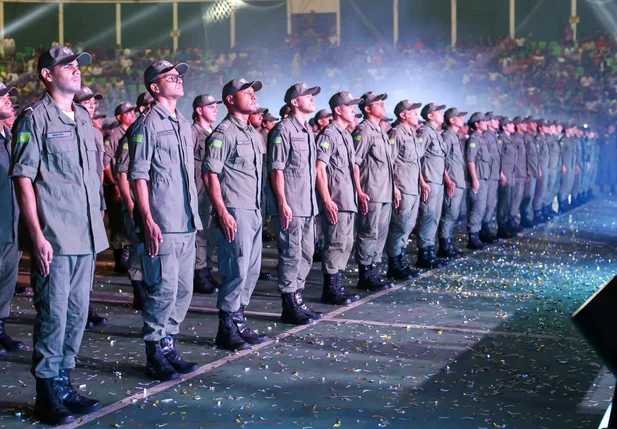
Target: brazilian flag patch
{"type": "Point", "coordinates": [472, 145]}
{"type": "Point", "coordinates": [278, 140]}
{"type": "Point", "coordinates": [125, 146]}
{"type": "Point", "coordinates": [392, 141]}
{"type": "Point", "coordinates": [421, 139]}
{"type": "Point", "coordinates": [138, 138]}
{"type": "Point", "coordinates": [24, 137]}
{"type": "Point", "coordinates": [217, 143]}
{"type": "Point", "coordinates": [325, 145]}
{"type": "Point", "coordinates": [357, 138]}
{"type": "Point", "coordinates": [107, 143]}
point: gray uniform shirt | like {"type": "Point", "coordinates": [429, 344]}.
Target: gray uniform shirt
{"type": "Point", "coordinates": [10, 209]}
{"type": "Point", "coordinates": [60, 156]}
{"type": "Point", "coordinates": [373, 155]}
{"type": "Point", "coordinates": [568, 152]}
{"type": "Point", "coordinates": [335, 149]}
{"type": "Point", "coordinates": [161, 147]}
{"type": "Point", "coordinates": [434, 160]}
{"type": "Point", "coordinates": [508, 154]}
{"type": "Point", "coordinates": [122, 156]}
{"type": "Point", "coordinates": [112, 143]}
{"type": "Point", "coordinates": [291, 148]}
{"type": "Point", "coordinates": [455, 162]}
{"type": "Point", "coordinates": [493, 147]}
{"type": "Point", "coordinates": [544, 152]}
{"type": "Point", "coordinates": [234, 151]}
{"type": "Point", "coordinates": [554, 153]}
{"type": "Point", "coordinates": [200, 134]}
{"type": "Point", "coordinates": [518, 141]}
{"type": "Point", "coordinates": [406, 157]}
{"type": "Point", "coordinates": [531, 149]}
{"type": "Point", "coordinates": [476, 150]}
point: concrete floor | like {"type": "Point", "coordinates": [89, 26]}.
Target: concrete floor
{"type": "Point", "coordinates": [485, 342]}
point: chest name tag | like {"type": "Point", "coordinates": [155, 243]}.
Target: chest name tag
{"type": "Point", "coordinates": [59, 134]}
{"type": "Point", "coordinates": [166, 133]}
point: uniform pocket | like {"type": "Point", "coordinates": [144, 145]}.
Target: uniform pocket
{"type": "Point", "coordinates": [299, 151]}
{"type": "Point", "coordinates": [378, 152]}
{"type": "Point", "coordinates": [244, 158]}
{"type": "Point", "coordinates": [152, 269]}
{"type": "Point", "coordinates": [62, 151]}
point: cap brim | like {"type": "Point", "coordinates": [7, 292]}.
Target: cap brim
{"type": "Point", "coordinates": [181, 68]}
{"type": "Point", "coordinates": [11, 90]}
{"type": "Point", "coordinates": [461, 114]}
{"type": "Point", "coordinates": [256, 85]}
{"type": "Point", "coordinates": [83, 59]}
{"type": "Point", "coordinates": [311, 91]}
{"type": "Point", "coordinates": [443, 106]}
{"type": "Point", "coordinates": [358, 115]}
{"type": "Point", "coordinates": [261, 110]}
{"type": "Point", "coordinates": [99, 116]}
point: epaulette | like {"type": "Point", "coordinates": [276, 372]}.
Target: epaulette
{"type": "Point", "coordinates": [29, 110]}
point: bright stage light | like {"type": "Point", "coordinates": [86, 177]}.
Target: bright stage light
{"type": "Point", "coordinates": [221, 10]}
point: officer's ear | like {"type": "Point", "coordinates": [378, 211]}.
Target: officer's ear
{"type": "Point", "coordinates": [46, 75]}
{"type": "Point", "coordinates": [294, 102]}
{"type": "Point", "coordinates": [198, 111]}
{"type": "Point", "coordinates": [119, 118]}
{"type": "Point", "coordinates": [230, 100]}
{"type": "Point", "coordinates": [154, 88]}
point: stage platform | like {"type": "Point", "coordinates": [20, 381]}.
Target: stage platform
{"type": "Point", "coordinates": [485, 342]}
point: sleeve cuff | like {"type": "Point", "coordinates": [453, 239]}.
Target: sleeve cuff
{"type": "Point", "coordinates": [21, 170]}
{"type": "Point", "coordinates": [212, 166]}
{"type": "Point", "coordinates": [323, 157]}
{"type": "Point", "coordinates": [276, 166]}
{"type": "Point", "coordinates": [138, 175]}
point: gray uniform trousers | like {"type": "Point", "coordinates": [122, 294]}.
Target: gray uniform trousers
{"type": "Point", "coordinates": [477, 207]}
{"type": "Point", "coordinates": [240, 260]}
{"type": "Point", "coordinates": [372, 233]}
{"type": "Point", "coordinates": [430, 214]}
{"type": "Point", "coordinates": [451, 211]}
{"type": "Point", "coordinates": [576, 184]}
{"type": "Point", "coordinates": [296, 246]}
{"type": "Point", "coordinates": [491, 200]}
{"type": "Point", "coordinates": [135, 272]}
{"type": "Point", "coordinates": [205, 240]}
{"type": "Point", "coordinates": [551, 189]}
{"type": "Point", "coordinates": [519, 192]}
{"type": "Point", "coordinates": [169, 279]}
{"type": "Point", "coordinates": [528, 194]}
{"type": "Point", "coordinates": [338, 242]}
{"type": "Point", "coordinates": [506, 199]}
{"type": "Point", "coordinates": [115, 218]}
{"type": "Point", "coordinates": [402, 223]}
{"type": "Point", "coordinates": [541, 188]}
{"type": "Point", "coordinates": [61, 301]}
{"type": "Point", "coordinates": [9, 269]}
{"type": "Point", "coordinates": [567, 183]}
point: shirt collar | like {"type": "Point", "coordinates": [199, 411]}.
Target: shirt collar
{"type": "Point", "coordinates": [244, 126]}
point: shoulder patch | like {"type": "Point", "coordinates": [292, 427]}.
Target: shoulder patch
{"type": "Point", "coordinates": [23, 137]}
{"type": "Point", "coordinates": [357, 138]}
{"type": "Point", "coordinates": [216, 143]}
{"type": "Point", "coordinates": [499, 141]}
{"type": "Point", "coordinates": [138, 138]}
{"type": "Point", "coordinates": [472, 144]}
{"type": "Point", "coordinates": [420, 139]}
{"type": "Point", "coordinates": [107, 142]}
{"type": "Point", "coordinates": [324, 145]}
{"type": "Point", "coordinates": [278, 140]}
{"type": "Point", "coordinates": [392, 141]}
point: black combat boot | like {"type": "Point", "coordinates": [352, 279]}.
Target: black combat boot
{"type": "Point", "coordinates": [157, 365]}
{"type": "Point", "coordinates": [317, 252]}
{"type": "Point", "coordinates": [292, 313]}
{"type": "Point", "coordinates": [266, 236]}
{"type": "Point", "coordinates": [405, 264]}
{"type": "Point", "coordinates": [203, 282]}
{"type": "Point", "coordinates": [396, 271]}
{"type": "Point", "coordinates": [246, 333]}
{"type": "Point", "coordinates": [121, 259]}
{"type": "Point", "coordinates": [140, 294]}
{"type": "Point", "coordinates": [504, 232]}
{"type": "Point", "coordinates": [228, 337]}
{"type": "Point", "coordinates": [331, 293]}
{"type": "Point", "coordinates": [486, 235]}
{"type": "Point", "coordinates": [7, 342]}
{"type": "Point", "coordinates": [513, 225]}
{"type": "Point", "coordinates": [49, 407]}
{"type": "Point", "coordinates": [71, 399]}
{"type": "Point", "coordinates": [94, 319]}
{"type": "Point", "coordinates": [315, 315]}
{"type": "Point", "coordinates": [168, 347]}
{"type": "Point", "coordinates": [474, 242]}
{"type": "Point", "coordinates": [538, 218]}
{"type": "Point", "coordinates": [564, 206]}
{"type": "Point", "coordinates": [341, 288]}
{"type": "Point", "coordinates": [427, 260]}
{"type": "Point", "coordinates": [367, 281]}
{"type": "Point", "coordinates": [377, 277]}
{"type": "Point", "coordinates": [446, 249]}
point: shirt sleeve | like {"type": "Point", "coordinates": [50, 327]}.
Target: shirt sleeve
{"type": "Point", "coordinates": [362, 144]}
{"type": "Point", "coordinates": [471, 148]}
{"type": "Point", "coordinates": [280, 148]}
{"type": "Point", "coordinates": [325, 146]}
{"type": "Point", "coordinates": [219, 146]}
{"type": "Point", "coordinates": [26, 150]}
{"type": "Point", "coordinates": [122, 156]}
{"type": "Point", "coordinates": [141, 146]}
{"type": "Point", "coordinates": [108, 151]}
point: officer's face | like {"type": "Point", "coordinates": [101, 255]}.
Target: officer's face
{"type": "Point", "coordinates": [458, 121]}
{"type": "Point", "coordinates": [494, 124]}
{"type": "Point", "coordinates": [509, 128]}
{"type": "Point", "coordinates": [437, 117]}
{"type": "Point", "coordinates": [98, 123]}
{"type": "Point", "coordinates": [128, 118]}
{"type": "Point", "coordinates": [559, 129]}
{"type": "Point", "coordinates": [169, 85]}
{"type": "Point", "coordinates": [6, 107]}
{"type": "Point", "coordinates": [64, 77]}
{"type": "Point", "coordinates": [532, 127]}
{"type": "Point", "coordinates": [210, 113]}
{"type": "Point", "coordinates": [482, 125]}
{"type": "Point", "coordinates": [347, 113]}
{"type": "Point", "coordinates": [90, 105]}
{"type": "Point", "coordinates": [256, 119]}
{"type": "Point", "coordinates": [244, 101]}
{"type": "Point", "coordinates": [412, 117]}
{"type": "Point", "coordinates": [377, 109]}
{"type": "Point", "coordinates": [305, 103]}
{"type": "Point", "coordinates": [268, 125]}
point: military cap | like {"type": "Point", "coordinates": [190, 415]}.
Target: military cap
{"type": "Point", "coordinates": [61, 55]}
{"type": "Point", "coordinates": [404, 106]}
{"type": "Point", "coordinates": [430, 108]}
{"type": "Point", "coordinates": [123, 108]}
{"type": "Point", "coordinates": [477, 117]}
{"type": "Point", "coordinates": [161, 67]}
{"type": "Point", "coordinates": [84, 94]}
{"type": "Point", "coordinates": [343, 98]}
{"type": "Point", "coordinates": [298, 90]}
{"type": "Point", "coordinates": [204, 100]}
{"type": "Point", "coordinates": [453, 112]}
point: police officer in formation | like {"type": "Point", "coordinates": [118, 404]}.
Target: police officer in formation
{"type": "Point", "coordinates": [180, 191]}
